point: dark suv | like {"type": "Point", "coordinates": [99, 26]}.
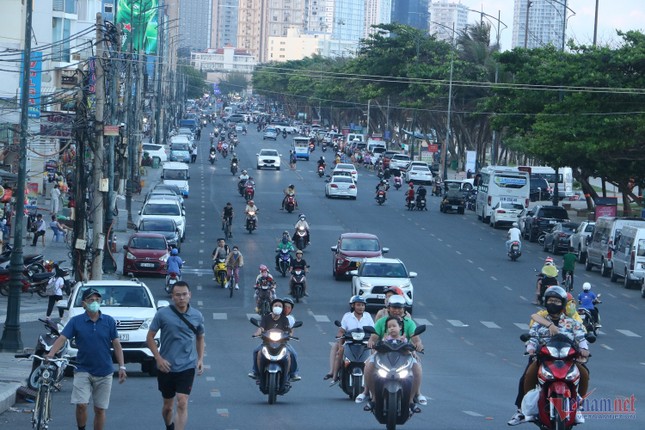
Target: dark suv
{"type": "Point", "coordinates": [454, 197]}
{"type": "Point", "coordinates": [540, 189]}
{"type": "Point", "coordinates": [542, 218]}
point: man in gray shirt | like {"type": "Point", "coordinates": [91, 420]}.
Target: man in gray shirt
{"type": "Point", "coordinates": [182, 346]}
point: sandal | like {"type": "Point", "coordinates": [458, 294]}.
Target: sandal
{"type": "Point", "coordinates": [361, 398]}
{"type": "Point", "coordinates": [328, 376]}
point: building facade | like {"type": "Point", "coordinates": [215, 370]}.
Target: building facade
{"type": "Point", "coordinates": [195, 24]}
{"type": "Point", "coordinates": [225, 21]}
{"type": "Point", "coordinates": [411, 12]}
{"type": "Point", "coordinates": [443, 15]}
{"type": "Point", "coordinates": [223, 60]}
{"type": "Point", "coordinates": [545, 23]}
{"type": "Point", "coordinates": [319, 16]}
{"type": "Point", "coordinates": [376, 12]}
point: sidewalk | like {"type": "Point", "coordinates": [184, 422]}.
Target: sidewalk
{"type": "Point", "coordinates": [14, 373]}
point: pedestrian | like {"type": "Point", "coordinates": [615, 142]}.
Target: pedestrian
{"type": "Point", "coordinates": [55, 292]}
{"type": "Point", "coordinates": [181, 353]}
{"type": "Point", "coordinates": [55, 198]}
{"type": "Point", "coordinates": [95, 335]}
{"type": "Point", "coordinates": [39, 229]}
{"type": "Point", "coordinates": [292, 160]}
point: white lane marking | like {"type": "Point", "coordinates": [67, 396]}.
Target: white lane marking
{"type": "Point", "coordinates": [524, 298]}
{"type": "Point", "coordinates": [210, 379]}
{"type": "Point", "coordinates": [321, 318]}
{"type": "Point", "coordinates": [200, 303]}
{"type": "Point", "coordinates": [472, 414]}
{"type": "Point", "coordinates": [508, 288]}
{"type": "Point", "coordinates": [199, 288]}
{"type": "Point", "coordinates": [422, 321]}
{"type": "Point", "coordinates": [490, 324]}
{"type": "Point", "coordinates": [457, 323]}
{"type": "Point", "coordinates": [470, 261]}
{"type": "Point", "coordinates": [522, 326]}
{"type": "Point", "coordinates": [448, 245]}
{"type": "Point", "coordinates": [222, 412]}
{"type": "Point", "coordinates": [215, 393]}
{"type": "Point", "coordinates": [611, 295]}
{"type": "Point", "coordinates": [440, 239]}
{"type": "Point", "coordinates": [458, 253]}
{"type": "Point", "coordinates": [219, 316]}
{"type": "Point", "coordinates": [493, 278]}
{"type": "Point", "coordinates": [633, 306]}
{"type": "Point", "coordinates": [198, 271]}
{"type": "Point", "coordinates": [643, 363]}
{"type": "Point", "coordinates": [627, 333]}
{"type": "Point", "coordinates": [607, 347]}
{"type": "Point", "coordinates": [481, 269]}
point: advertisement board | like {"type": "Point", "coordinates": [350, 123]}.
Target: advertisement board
{"type": "Point", "coordinates": [35, 77]}
{"type": "Point", "coordinates": [138, 18]}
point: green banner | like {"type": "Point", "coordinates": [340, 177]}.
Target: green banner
{"type": "Point", "coordinates": [139, 22]}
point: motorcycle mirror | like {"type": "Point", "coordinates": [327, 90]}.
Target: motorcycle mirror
{"type": "Point", "coordinates": [420, 329]}
{"type": "Point", "coordinates": [369, 329]}
{"type": "Point", "coordinates": [591, 338]}
{"type": "Point", "coordinates": [337, 323]}
{"type": "Point", "coordinates": [524, 337]}
{"type": "Point", "coordinates": [297, 324]}
{"type": "Point", "coordinates": [255, 322]}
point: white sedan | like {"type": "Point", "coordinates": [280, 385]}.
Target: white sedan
{"type": "Point", "coordinates": [268, 158]}
{"type": "Point", "coordinates": [505, 213]}
{"type": "Point", "coordinates": [346, 167]}
{"type": "Point", "coordinates": [341, 186]}
{"type": "Point", "coordinates": [419, 174]}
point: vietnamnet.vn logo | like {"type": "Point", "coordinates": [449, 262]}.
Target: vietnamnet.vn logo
{"type": "Point", "coordinates": [607, 408]}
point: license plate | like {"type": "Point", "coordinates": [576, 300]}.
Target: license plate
{"type": "Point", "coordinates": [124, 337]}
{"type": "Point", "coordinates": [552, 221]}
{"type": "Point", "coordinates": [454, 207]}
{"type": "Point", "coordinates": [147, 265]}
{"type": "Point", "coordinates": [380, 296]}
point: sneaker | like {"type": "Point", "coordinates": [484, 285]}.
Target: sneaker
{"type": "Point", "coordinates": [252, 375]}
{"type": "Point", "coordinates": [598, 325]}
{"type": "Point", "coordinates": [361, 398]}
{"type": "Point", "coordinates": [516, 419]}
{"type": "Point", "coordinates": [295, 378]}
{"type": "Point", "coordinates": [237, 287]}
{"type": "Point", "coordinates": [334, 382]}
{"type": "Point", "coordinates": [226, 285]}
{"type": "Point", "coordinates": [580, 419]}
{"type": "Point", "coordinates": [257, 310]}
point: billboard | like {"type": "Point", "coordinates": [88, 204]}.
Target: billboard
{"type": "Point", "coordinates": [35, 77]}
{"type": "Point", "coordinates": [138, 19]}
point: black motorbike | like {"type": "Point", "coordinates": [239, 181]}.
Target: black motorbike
{"type": "Point", "coordinates": [233, 169]}
{"type": "Point", "coordinates": [380, 197]}
{"type": "Point", "coordinates": [393, 400]}
{"type": "Point", "coordinates": [297, 284]}
{"type": "Point", "coordinates": [514, 252]}
{"type": "Point", "coordinates": [273, 366]}
{"type": "Point", "coordinates": [251, 222]}
{"type": "Point", "coordinates": [588, 319]}
{"type": "Point", "coordinates": [355, 352]}
{"type": "Point", "coordinates": [212, 157]}
{"type": "Point", "coordinates": [43, 346]}
{"type": "Point", "coordinates": [421, 204]}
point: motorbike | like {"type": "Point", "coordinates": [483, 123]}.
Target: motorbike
{"type": "Point", "coordinates": [397, 182]}
{"type": "Point", "coordinates": [588, 319]}
{"type": "Point", "coordinates": [290, 204]}
{"type": "Point", "coordinates": [212, 157]}
{"type": "Point", "coordinates": [409, 203]}
{"type": "Point", "coordinates": [284, 261]}
{"type": "Point", "coordinates": [249, 192]}
{"type": "Point", "coordinates": [284, 134]}
{"type": "Point", "coordinates": [36, 282]}
{"type": "Point", "coordinates": [264, 299]}
{"type": "Point", "coordinates": [297, 284]}
{"type": "Point", "coordinates": [301, 238]}
{"type": "Point", "coordinates": [233, 169]}
{"type": "Point", "coordinates": [321, 171]}
{"type": "Point", "coordinates": [43, 346]}
{"type": "Point", "coordinates": [380, 197]}
{"type": "Point", "coordinates": [392, 400]}
{"type": "Point", "coordinates": [224, 152]}
{"type": "Point", "coordinates": [558, 379]}
{"type": "Point", "coordinates": [34, 263]}
{"type": "Point", "coordinates": [220, 272]}
{"type": "Point", "coordinates": [241, 186]}
{"type": "Point", "coordinates": [273, 365]}
{"type": "Point", "coordinates": [251, 221]}
{"type": "Point", "coordinates": [436, 189]}
{"type": "Point", "coordinates": [312, 147]}
{"type": "Point", "coordinates": [171, 279]}
{"type": "Point", "coordinates": [355, 353]}
{"type": "Point", "coordinates": [324, 148]}
{"type": "Point", "coordinates": [421, 204]}
{"type": "Point", "coordinates": [514, 252]}
{"type": "Point", "coordinates": [471, 200]}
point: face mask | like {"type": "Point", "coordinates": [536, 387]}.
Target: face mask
{"type": "Point", "coordinates": [94, 307]}
{"type": "Point", "coordinates": [235, 252]}
{"type": "Point", "coordinates": [277, 310]}
{"type": "Point", "coordinates": [553, 308]}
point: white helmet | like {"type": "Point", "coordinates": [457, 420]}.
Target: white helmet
{"type": "Point", "coordinates": [586, 286]}
{"type": "Point", "coordinates": [515, 224]}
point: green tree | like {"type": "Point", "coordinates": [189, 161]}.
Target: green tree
{"type": "Point", "coordinates": [233, 83]}
{"type": "Point", "coordinates": [196, 85]}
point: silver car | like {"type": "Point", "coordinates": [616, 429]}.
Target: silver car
{"type": "Point", "coordinates": [579, 239]}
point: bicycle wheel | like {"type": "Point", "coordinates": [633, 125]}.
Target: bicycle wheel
{"type": "Point", "coordinates": [228, 230]}
{"type": "Point", "coordinates": [41, 413]}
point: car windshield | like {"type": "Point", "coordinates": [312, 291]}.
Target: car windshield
{"type": "Point", "coordinates": [569, 227]}
{"type": "Point", "coordinates": [180, 153]}
{"type": "Point", "coordinates": [353, 244]}
{"type": "Point", "coordinates": [269, 153]}
{"type": "Point", "coordinates": [151, 147]}
{"type": "Point", "coordinates": [345, 179]}
{"type": "Point", "coordinates": [384, 270]}
{"type": "Point", "coordinates": [179, 147]}
{"type": "Point", "coordinates": [161, 209]}
{"type": "Point", "coordinates": [641, 248]}
{"type": "Point", "coordinates": [509, 206]}
{"type": "Point", "coordinates": [157, 225]}
{"type": "Point", "coordinates": [554, 212]}
{"type": "Point", "coordinates": [421, 168]}
{"type": "Point", "coordinates": [453, 186]}
{"type": "Point", "coordinates": [180, 175]}
{"type": "Point", "coordinates": [270, 130]}
{"type": "Point", "coordinates": [120, 297]}
{"type": "Point", "coordinates": [342, 166]}
{"type": "Point", "coordinates": [140, 242]}
{"type": "Point", "coordinates": [589, 228]}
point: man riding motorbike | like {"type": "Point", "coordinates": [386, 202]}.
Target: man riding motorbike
{"type": "Point", "coordinates": [244, 176]}
{"type": "Point", "coordinates": [514, 234]}
{"type": "Point", "coordinates": [289, 191]}
{"type": "Point", "coordinates": [302, 222]}
{"type": "Point", "coordinates": [421, 193]}
{"type": "Point", "coordinates": [220, 252]}
{"type": "Point", "coordinates": [409, 195]}
{"type": "Point", "coordinates": [250, 207]}
{"type": "Point", "coordinates": [284, 244]}
{"type": "Point", "coordinates": [382, 186]}
{"type": "Point", "coordinates": [274, 320]}
{"type": "Point", "coordinates": [321, 162]}
{"type": "Point", "coordinates": [299, 263]}
{"type": "Point", "coordinates": [588, 300]}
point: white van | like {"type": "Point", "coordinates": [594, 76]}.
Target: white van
{"type": "Point", "coordinates": [176, 173]}
{"type": "Point", "coordinates": [600, 248]}
{"type": "Point", "coordinates": [629, 256]}
{"type": "Point", "coordinates": [374, 144]}
{"type": "Point", "coordinates": [300, 147]}
{"type": "Point", "coordinates": [352, 137]}
{"type": "Point", "coordinates": [501, 184]}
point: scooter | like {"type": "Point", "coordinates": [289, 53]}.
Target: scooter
{"type": "Point", "coordinates": [219, 270]}
{"type": "Point", "coordinates": [355, 354]}
{"type": "Point", "coordinates": [273, 365]}
{"type": "Point", "coordinates": [380, 197]}
{"type": "Point", "coordinates": [284, 261]}
{"type": "Point", "coordinates": [251, 221]}
{"type": "Point", "coordinates": [43, 346]}
{"type": "Point", "coordinates": [436, 190]}
{"type": "Point", "coordinates": [264, 299]}
{"type": "Point", "coordinates": [321, 171]}
{"type": "Point", "coordinates": [241, 186]}
{"type": "Point", "coordinates": [397, 182]}
{"type": "Point", "coordinates": [297, 284]}
{"type": "Point", "coordinates": [392, 400]}
{"type": "Point", "coordinates": [409, 203]}
{"type": "Point", "coordinates": [301, 238]}
{"type": "Point", "coordinates": [290, 204]}
{"type": "Point", "coordinates": [421, 204]}
{"type": "Point", "coordinates": [171, 279]}
{"type": "Point", "coordinates": [557, 400]}
{"type": "Point", "coordinates": [588, 319]}
{"type": "Point", "coordinates": [233, 169]}
{"type": "Point", "coordinates": [514, 252]}
{"type": "Point", "coordinates": [212, 157]}
{"type": "Point", "coordinates": [249, 192]}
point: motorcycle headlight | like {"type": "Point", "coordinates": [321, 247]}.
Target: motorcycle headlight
{"type": "Point", "coordinates": [573, 373]}
{"type": "Point", "coordinates": [358, 335]}
{"type": "Point", "coordinates": [275, 336]}
{"type": "Point", "coordinates": [403, 373]}
{"type": "Point", "coordinates": [545, 373]}
{"type": "Point", "coordinates": [382, 373]}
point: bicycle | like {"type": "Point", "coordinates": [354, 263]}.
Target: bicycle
{"type": "Point", "coordinates": [227, 227]}
{"type": "Point", "coordinates": [51, 373]}
{"type": "Point", "coordinates": [567, 284]}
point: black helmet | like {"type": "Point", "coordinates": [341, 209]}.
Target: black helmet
{"type": "Point", "coordinates": [289, 301]}
{"type": "Point", "coordinates": [557, 292]}
{"type": "Point", "coordinates": [277, 300]}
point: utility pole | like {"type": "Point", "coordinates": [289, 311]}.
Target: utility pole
{"type": "Point", "coordinates": [98, 238]}
{"type": "Point", "coordinates": [11, 340]}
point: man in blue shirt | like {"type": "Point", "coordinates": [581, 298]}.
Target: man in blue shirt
{"type": "Point", "coordinates": [95, 334]}
{"type": "Point", "coordinates": [181, 353]}
{"type": "Point", "coordinates": [588, 300]}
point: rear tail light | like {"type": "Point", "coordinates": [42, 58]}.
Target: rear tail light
{"type": "Point", "coordinates": [501, 211]}
{"type": "Point", "coordinates": [352, 187]}
{"type": "Point", "coordinates": [334, 186]}
{"type": "Point", "coordinates": [562, 235]}
{"type": "Point", "coordinates": [490, 200]}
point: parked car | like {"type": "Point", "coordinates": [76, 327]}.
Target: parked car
{"type": "Point", "coordinates": [346, 167]}
{"type": "Point", "coordinates": [580, 238]}
{"type": "Point", "coordinates": [351, 248]}
{"type": "Point", "coordinates": [145, 254]}
{"type": "Point", "coordinates": [540, 189]}
{"type": "Point", "coordinates": [600, 247]}
{"type": "Point", "coordinates": [270, 133]}
{"type": "Point", "coordinates": [180, 146]}
{"type": "Point", "coordinates": [132, 305]}
{"type": "Point", "coordinates": [399, 161]}
{"type": "Point", "coordinates": [165, 208]}
{"type": "Point", "coordinates": [629, 257]}
{"type": "Point", "coordinates": [374, 275]}
{"type": "Point", "coordinates": [164, 226]}
{"type": "Point", "coordinates": [179, 155]}
{"type": "Point", "coordinates": [540, 219]}
{"type": "Point", "coordinates": [341, 186]}
{"type": "Point", "coordinates": [155, 151]}
{"type": "Point", "coordinates": [558, 237]}
{"type": "Point", "coordinates": [268, 158]}
{"type": "Point", "coordinates": [505, 213]}
{"type": "Point", "coordinates": [419, 174]}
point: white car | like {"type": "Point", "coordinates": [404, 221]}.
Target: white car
{"type": "Point", "coordinates": [399, 161]}
{"type": "Point", "coordinates": [346, 167]}
{"type": "Point", "coordinates": [268, 158]}
{"type": "Point", "coordinates": [374, 275]}
{"type": "Point", "coordinates": [579, 238]}
{"type": "Point", "coordinates": [133, 307]}
{"type": "Point", "coordinates": [505, 213]}
{"type": "Point", "coordinates": [165, 207]}
{"type": "Point", "coordinates": [419, 174]}
{"type": "Point", "coordinates": [341, 186]}
{"type": "Point", "coordinates": [155, 151]}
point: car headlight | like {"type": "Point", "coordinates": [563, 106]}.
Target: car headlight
{"type": "Point", "coordinates": [146, 324]}
{"type": "Point", "coordinates": [365, 284]}
{"type": "Point", "coordinates": [130, 256]}
{"type": "Point", "coordinates": [163, 258]}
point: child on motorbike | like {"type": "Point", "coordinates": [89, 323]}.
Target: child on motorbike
{"type": "Point", "coordinates": [264, 279]}
{"type": "Point", "coordinates": [394, 330]}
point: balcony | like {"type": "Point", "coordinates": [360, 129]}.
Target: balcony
{"type": "Point", "coordinates": [65, 6]}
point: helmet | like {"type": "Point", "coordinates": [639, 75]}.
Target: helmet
{"type": "Point", "coordinates": [263, 268]}
{"type": "Point", "coordinates": [234, 154]}
{"type": "Point", "coordinates": [411, 184]}
{"type": "Point", "coordinates": [174, 251]}
{"type": "Point", "coordinates": [322, 157]}
{"type": "Point", "coordinates": [515, 224]}
{"type": "Point", "coordinates": [396, 302]}
{"type": "Point", "coordinates": [244, 172]}
{"type": "Point", "coordinates": [569, 297]}
{"type": "Point", "coordinates": [277, 300]}
{"type": "Point", "coordinates": [550, 271]}
{"type": "Point", "coordinates": [285, 233]}
{"type": "Point", "coordinates": [357, 299]}
{"type": "Point", "coordinates": [292, 186]}
{"type": "Point", "coordinates": [586, 286]}
{"type": "Point", "coordinates": [383, 181]}
{"type": "Point", "coordinates": [289, 301]}
{"type": "Point", "coordinates": [555, 291]}
{"type": "Point", "coordinates": [299, 252]}
{"type": "Point", "coordinates": [393, 289]}
{"type": "Point", "coordinates": [548, 261]}
{"type": "Point", "coordinates": [302, 217]}
{"type": "Point", "coordinates": [251, 203]}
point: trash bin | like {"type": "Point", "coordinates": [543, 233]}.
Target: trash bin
{"type": "Point", "coordinates": [156, 162]}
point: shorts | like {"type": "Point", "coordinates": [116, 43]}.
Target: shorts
{"type": "Point", "coordinates": [96, 387]}
{"type": "Point", "coordinates": [172, 383]}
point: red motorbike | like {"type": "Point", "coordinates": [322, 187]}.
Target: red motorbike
{"type": "Point", "coordinates": [249, 192]}
{"type": "Point", "coordinates": [558, 379]}
{"type": "Point", "coordinates": [290, 205]}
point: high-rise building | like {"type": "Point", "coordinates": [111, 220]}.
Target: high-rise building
{"type": "Point", "coordinates": [376, 12]}
{"type": "Point", "coordinates": [411, 12]}
{"type": "Point", "coordinates": [545, 23]}
{"type": "Point", "coordinates": [319, 16]}
{"type": "Point", "coordinates": [349, 20]}
{"type": "Point", "coordinates": [225, 18]}
{"type": "Point", "coordinates": [195, 24]}
{"type": "Point", "coordinates": [443, 15]}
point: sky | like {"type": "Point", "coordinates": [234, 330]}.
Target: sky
{"type": "Point", "coordinates": [612, 14]}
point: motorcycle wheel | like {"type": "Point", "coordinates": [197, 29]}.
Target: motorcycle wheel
{"type": "Point", "coordinates": [391, 411]}
{"type": "Point", "coordinates": [289, 208]}
{"type": "Point", "coordinates": [41, 290]}
{"type": "Point", "coordinates": [357, 387]}
{"type": "Point", "coordinates": [221, 278]}
{"type": "Point", "coordinates": [297, 293]}
{"type": "Point", "coordinates": [272, 387]}
{"type": "Point", "coordinates": [4, 289]}
{"type": "Point", "coordinates": [36, 268]}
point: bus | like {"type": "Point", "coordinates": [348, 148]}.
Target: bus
{"type": "Point", "coordinates": [500, 184]}
{"type": "Point", "coordinates": [565, 178]}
